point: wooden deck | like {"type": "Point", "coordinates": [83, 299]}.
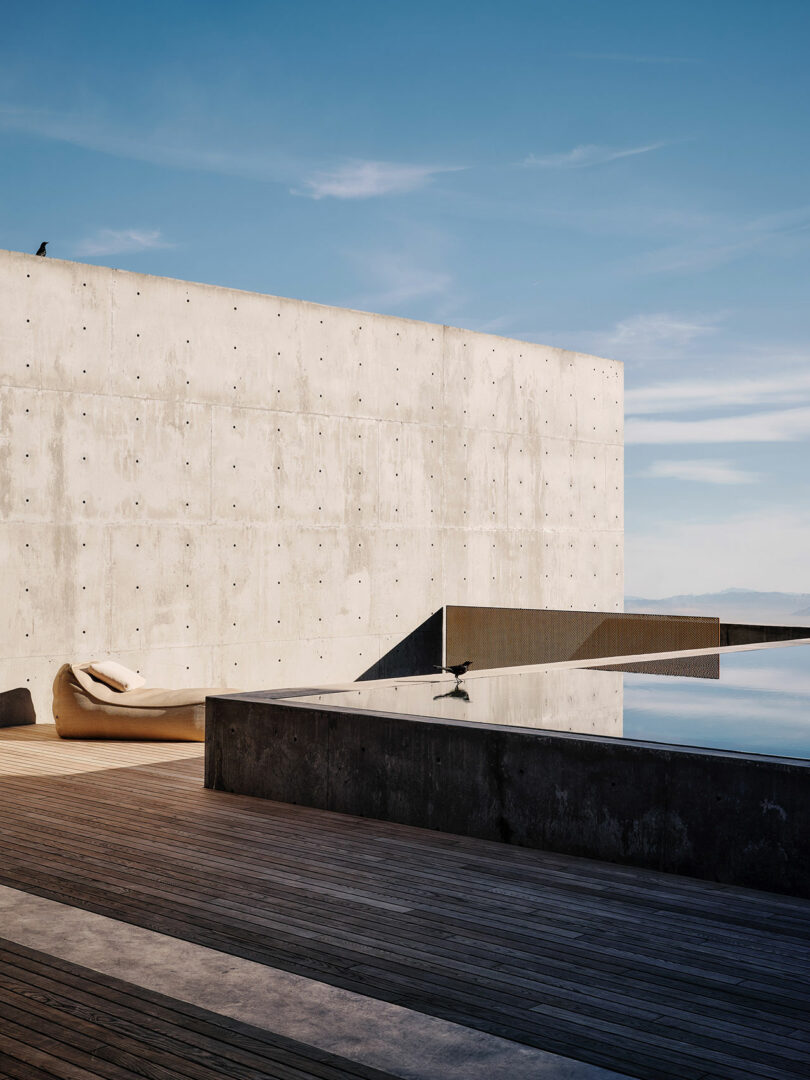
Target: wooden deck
{"type": "Point", "coordinates": [651, 975]}
{"type": "Point", "coordinates": [61, 1020]}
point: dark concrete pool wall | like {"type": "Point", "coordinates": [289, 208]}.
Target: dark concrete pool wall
{"type": "Point", "coordinates": [741, 819]}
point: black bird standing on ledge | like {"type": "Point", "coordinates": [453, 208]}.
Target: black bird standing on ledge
{"type": "Point", "coordinates": [455, 669]}
{"type": "Point", "coordinates": [41, 249]}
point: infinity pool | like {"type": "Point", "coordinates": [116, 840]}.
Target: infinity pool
{"type": "Point", "coordinates": [759, 704]}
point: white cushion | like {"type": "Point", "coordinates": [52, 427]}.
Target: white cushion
{"type": "Point", "coordinates": [116, 675]}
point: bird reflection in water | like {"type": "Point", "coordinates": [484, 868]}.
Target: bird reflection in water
{"type": "Point", "coordinates": [457, 692]}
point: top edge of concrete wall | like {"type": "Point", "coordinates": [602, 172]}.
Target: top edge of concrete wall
{"type": "Point", "coordinates": [26, 256]}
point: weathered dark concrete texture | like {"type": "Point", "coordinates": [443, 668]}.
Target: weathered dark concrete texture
{"type": "Point", "coordinates": [16, 708]}
{"type": "Point", "coordinates": [755, 634]}
{"type": "Point", "coordinates": [734, 818]}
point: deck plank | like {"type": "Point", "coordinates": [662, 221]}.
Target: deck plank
{"type": "Point", "coordinates": [81, 1018]}
{"type": "Point", "coordinates": [661, 977]}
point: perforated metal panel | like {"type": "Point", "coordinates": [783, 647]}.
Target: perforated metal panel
{"type": "Point", "coordinates": [702, 666]}
{"type": "Point", "coordinates": [513, 637]}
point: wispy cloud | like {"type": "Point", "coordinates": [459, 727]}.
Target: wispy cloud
{"type": "Point", "coordinates": [768, 678]}
{"type": "Point", "coordinates": [582, 157]}
{"type": "Point", "coordinates": [790, 387]}
{"type": "Point", "coordinates": [632, 58]}
{"type": "Point", "coordinates": [763, 549]}
{"type": "Point", "coordinates": [366, 179]}
{"type": "Point", "coordinates": [641, 339]}
{"type": "Point", "coordinates": [118, 241]}
{"type": "Point", "coordinates": [784, 425]}
{"type": "Point", "coordinates": [171, 148]}
{"type": "Point", "coordinates": [168, 147]}
{"type": "Point", "coordinates": [400, 279]}
{"type": "Point", "coordinates": [355, 179]}
{"type": "Point", "coordinates": [727, 704]}
{"type": "Point", "coordinates": [640, 335]}
{"type": "Point", "coordinates": [723, 240]}
{"type": "Point", "coordinates": [700, 471]}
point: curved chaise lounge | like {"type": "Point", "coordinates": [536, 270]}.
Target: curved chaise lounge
{"type": "Point", "coordinates": [84, 708]}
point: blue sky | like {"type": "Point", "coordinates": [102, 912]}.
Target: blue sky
{"type": "Point", "coordinates": [628, 179]}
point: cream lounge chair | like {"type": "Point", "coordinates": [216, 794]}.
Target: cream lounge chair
{"type": "Point", "coordinates": [84, 708]}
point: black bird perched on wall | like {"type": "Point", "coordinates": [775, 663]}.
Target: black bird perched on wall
{"type": "Point", "coordinates": [455, 669]}
{"type": "Point", "coordinates": [41, 249]}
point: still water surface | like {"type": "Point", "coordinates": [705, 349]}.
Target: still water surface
{"type": "Point", "coordinates": [759, 704]}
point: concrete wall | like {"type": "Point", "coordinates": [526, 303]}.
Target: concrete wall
{"type": "Point", "coordinates": [742, 819]}
{"type": "Point", "coordinates": [223, 488]}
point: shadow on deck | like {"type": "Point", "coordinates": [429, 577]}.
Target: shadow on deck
{"type": "Point", "coordinates": [653, 975]}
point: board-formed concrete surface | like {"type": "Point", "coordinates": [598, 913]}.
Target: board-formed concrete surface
{"type": "Point", "coordinates": [224, 488]}
{"type": "Point", "coordinates": [737, 818]}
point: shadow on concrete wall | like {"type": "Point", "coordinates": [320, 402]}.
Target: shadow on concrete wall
{"type": "Point", "coordinates": [417, 654]}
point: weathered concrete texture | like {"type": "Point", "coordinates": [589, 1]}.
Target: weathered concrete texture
{"type": "Point", "coordinates": [741, 819]}
{"type": "Point", "coordinates": [224, 488]}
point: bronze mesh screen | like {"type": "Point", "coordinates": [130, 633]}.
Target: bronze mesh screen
{"type": "Point", "coordinates": [512, 637]}
{"type": "Point", "coordinates": [703, 666]}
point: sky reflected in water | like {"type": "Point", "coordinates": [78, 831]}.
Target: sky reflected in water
{"type": "Point", "coordinates": [760, 703]}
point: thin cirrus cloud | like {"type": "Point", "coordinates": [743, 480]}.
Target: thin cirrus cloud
{"type": "Point", "coordinates": [402, 277]}
{"type": "Point", "coordinates": [367, 179]}
{"type": "Point", "coordinates": [782, 425]}
{"type": "Point", "coordinates": [585, 156]}
{"type": "Point", "coordinates": [169, 149]}
{"type": "Point", "coordinates": [727, 704]}
{"type": "Point", "coordinates": [647, 335]}
{"type": "Point", "coordinates": [784, 233]}
{"type": "Point", "coordinates": [700, 471]}
{"type": "Point", "coordinates": [789, 388]}
{"type": "Point", "coordinates": [360, 179]}
{"type": "Point", "coordinates": [120, 241]}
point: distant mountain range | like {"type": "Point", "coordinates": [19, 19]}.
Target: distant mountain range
{"type": "Point", "coordinates": [731, 605]}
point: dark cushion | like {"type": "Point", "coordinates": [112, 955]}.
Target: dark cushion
{"type": "Point", "coordinates": [16, 707]}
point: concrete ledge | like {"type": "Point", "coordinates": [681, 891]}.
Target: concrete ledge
{"type": "Point", "coordinates": [742, 819]}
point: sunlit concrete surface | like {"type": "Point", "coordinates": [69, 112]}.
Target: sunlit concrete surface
{"type": "Point", "coordinates": [226, 489]}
